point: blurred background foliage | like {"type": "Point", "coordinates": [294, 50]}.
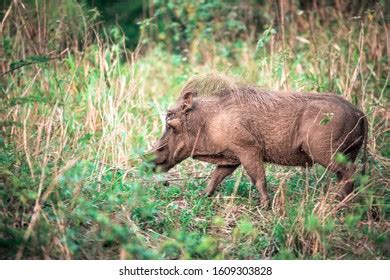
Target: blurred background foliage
{"type": "Point", "coordinates": [176, 23]}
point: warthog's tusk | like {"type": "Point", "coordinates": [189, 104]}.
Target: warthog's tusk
{"type": "Point", "coordinates": [154, 149]}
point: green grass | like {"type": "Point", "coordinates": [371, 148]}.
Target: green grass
{"type": "Point", "coordinates": [73, 184]}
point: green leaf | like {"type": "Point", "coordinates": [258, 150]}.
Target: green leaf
{"type": "Point", "coordinates": [327, 119]}
{"type": "Point", "coordinates": [29, 60]}
{"type": "Point", "coordinates": [245, 227]}
{"type": "Point", "coordinates": [341, 159]}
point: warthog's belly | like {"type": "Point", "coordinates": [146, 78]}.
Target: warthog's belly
{"type": "Point", "coordinates": [220, 159]}
{"type": "Point", "coordinates": [288, 158]}
{"type": "Point", "coordinates": [293, 158]}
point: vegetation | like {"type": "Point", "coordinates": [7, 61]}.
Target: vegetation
{"type": "Point", "coordinates": [79, 109]}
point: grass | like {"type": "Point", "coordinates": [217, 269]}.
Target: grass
{"type": "Point", "coordinates": [73, 129]}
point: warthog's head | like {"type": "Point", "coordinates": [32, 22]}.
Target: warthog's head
{"type": "Point", "coordinates": [174, 145]}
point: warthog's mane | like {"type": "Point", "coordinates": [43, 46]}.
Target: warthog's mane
{"type": "Point", "coordinates": [223, 86]}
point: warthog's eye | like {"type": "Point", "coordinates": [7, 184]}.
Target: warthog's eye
{"type": "Point", "coordinates": [170, 115]}
{"type": "Point", "coordinates": [162, 147]}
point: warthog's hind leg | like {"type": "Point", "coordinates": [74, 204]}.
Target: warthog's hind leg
{"type": "Point", "coordinates": [344, 176]}
{"type": "Point", "coordinates": [220, 173]}
{"type": "Point", "coordinates": [344, 171]}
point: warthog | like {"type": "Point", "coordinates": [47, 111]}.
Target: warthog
{"type": "Point", "coordinates": [228, 123]}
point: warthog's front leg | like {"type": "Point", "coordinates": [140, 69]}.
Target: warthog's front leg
{"type": "Point", "coordinates": [253, 165]}
{"type": "Point", "coordinates": [220, 173]}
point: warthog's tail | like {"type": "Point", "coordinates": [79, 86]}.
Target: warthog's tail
{"type": "Point", "coordinates": [365, 135]}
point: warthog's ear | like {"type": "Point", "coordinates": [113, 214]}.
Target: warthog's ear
{"type": "Point", "coordinates": [187, 101]}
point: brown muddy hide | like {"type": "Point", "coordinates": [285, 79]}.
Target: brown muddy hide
{"type": "Point", "coordinates": [252, 127]}
{"type": "Point", "coordinates": [173, 146]}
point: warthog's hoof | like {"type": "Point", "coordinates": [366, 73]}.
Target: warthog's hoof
{"type": "Point", "coordinates": [265, 204]}
{"type": "Point", "coordinates": [166, 183]}
{"type": "Point", "coordinates": [347, 188]}
{"type": "Point", "coordinates": [341, 195]}
{"type": "Point", "coordinates": [206, 193]}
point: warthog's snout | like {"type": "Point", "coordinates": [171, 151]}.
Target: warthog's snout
{"type": "Point", "coordinates": [159, 158]}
